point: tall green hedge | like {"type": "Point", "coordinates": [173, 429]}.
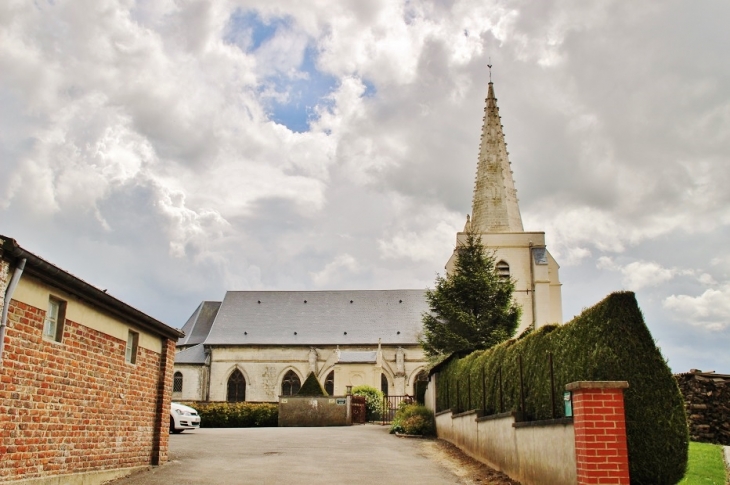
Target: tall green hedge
{"type": "Point", "coordinates": [608, 342]}
{"type": "Point", "coordinates": [236, 414]}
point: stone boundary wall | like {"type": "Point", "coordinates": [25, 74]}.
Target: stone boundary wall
{"type": "Point", "coordinates": [707, 403]}
{"type": "Point", "coordinates": [315, 411]}
{"type": "Point", "coordinates": [590, 448]}
{"type": "Point", "coordinates": [531, 454]}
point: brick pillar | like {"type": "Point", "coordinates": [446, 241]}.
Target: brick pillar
{"type": "Point", "coordinates": [164, 396]}
{"type": "Point", "coordinates": [600, 432]}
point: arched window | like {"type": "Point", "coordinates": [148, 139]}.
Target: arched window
{"type": "Point", "coordinates": [177, 382]}
{"type": "Point", "coordinates": [502, 270]}
{"type": "Point", "coordinates": [236, 387]}
{"type": "Point", "coordinates": [384, 384]}
{"type": "Point", "coordinates": [329, 383]}
{"type": "Point", "coordinates": [291, 384]}
{"type": "Point", "coordinates": [419, 387]}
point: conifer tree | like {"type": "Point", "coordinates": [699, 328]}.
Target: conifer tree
{"type": "Point", "coordinates": [471, 308]}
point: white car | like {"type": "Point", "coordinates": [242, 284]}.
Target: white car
{"type": "Point", "coordinates": [183, 417]}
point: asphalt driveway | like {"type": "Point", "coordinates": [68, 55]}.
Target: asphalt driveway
{"type": "Point", "coordinates": [335, 455]}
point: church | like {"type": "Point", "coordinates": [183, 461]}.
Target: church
{"type": "Point", "coordinates": [259, 345]}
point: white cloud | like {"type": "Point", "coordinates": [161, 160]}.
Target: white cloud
{"type": "Point", "coordinates": [710, 310]}
{"type": "Point", "coordinates": [146, 129]}
{"type": "Point", "coordinates": [335, 272]}
{"type": "Point", "coordinates": [638, 274]}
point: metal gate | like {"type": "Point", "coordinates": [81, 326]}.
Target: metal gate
{"type": "Point", "coordinates": [357, 406]}
{"type": "Point", "coordinates": [390, 406]}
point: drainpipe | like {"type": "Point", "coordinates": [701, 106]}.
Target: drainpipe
{"type": "Point", "coordinates": [6, 305]}
{"type": "Point", "coordinates": [532, 283]}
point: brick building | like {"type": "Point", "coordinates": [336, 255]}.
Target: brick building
{"type": "Point", "coordinates": [85, 379]}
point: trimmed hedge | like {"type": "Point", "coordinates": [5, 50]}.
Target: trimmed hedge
{"type": "Point", "coordinates": [607, 342]}
{"type": "Point", "coordinates": [311, 387]}
{"type": "Point", "coordinates": [236, 414]}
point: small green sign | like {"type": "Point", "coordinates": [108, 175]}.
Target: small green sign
{"type": "Point", "coordinates": [341, 401]}
{"type": "Point", "coordinates": [568, 402]}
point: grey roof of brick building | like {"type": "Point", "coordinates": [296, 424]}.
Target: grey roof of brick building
{"type": "Point", "coordinates": [347, 317]}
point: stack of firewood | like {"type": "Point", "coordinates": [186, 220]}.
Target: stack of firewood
{"type": "Point", "coordinates": [707, 402]}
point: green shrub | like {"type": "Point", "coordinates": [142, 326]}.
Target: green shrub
{"type": "Point", "coordinates": [373, 401]}
{"type": "Point", "coordinates": [236, 414]}
{"type": "Point", "coordinates": [311, 387]}
{"type": "Point", "coordinates": [414, 419]}
{"type": "Point", "coordinates": [607, 342]}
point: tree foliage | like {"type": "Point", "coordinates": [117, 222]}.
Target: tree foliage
{"type": "Point", "coordinates": [472, 307]}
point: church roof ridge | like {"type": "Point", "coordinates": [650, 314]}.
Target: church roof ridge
{"type": "Point", "coordinates": [320, 317]}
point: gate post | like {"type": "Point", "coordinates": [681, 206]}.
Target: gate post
{"type": "Point", "coordinates": [599, 422]}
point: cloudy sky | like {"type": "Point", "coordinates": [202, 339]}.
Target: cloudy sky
{"type": "Point", "coordinates": [171, 150]}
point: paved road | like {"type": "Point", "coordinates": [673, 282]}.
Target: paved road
{"type": "Point", "coordinates": [355, 454]}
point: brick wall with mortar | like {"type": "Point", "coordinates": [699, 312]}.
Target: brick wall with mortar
{"type": "Point", "coordinates": [77, 406]}
{"type": "Point", "coordinates": [600, 432]}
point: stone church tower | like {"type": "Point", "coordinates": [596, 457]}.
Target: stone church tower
{"type": "Point", "coordinates": [495, 216]}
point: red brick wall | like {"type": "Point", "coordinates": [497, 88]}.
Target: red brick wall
{"type": "Point", "coordinates": [78, 406]}
{"type": "Point", "coordinates": [600, 433]}
{"type": "Point", "coordinates": [164, 393]}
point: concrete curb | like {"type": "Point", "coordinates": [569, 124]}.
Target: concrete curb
{"type": "Point", "coordinates": [726, 449]}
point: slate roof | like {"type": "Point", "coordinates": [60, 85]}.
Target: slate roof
{"type": "Point", "coordinates": [349, 357]}
{"type": "Point", "coordinates": [198, 325]}
{"type": "Point", "coordinates": [191, 355]}
{"type": "Point", "coordinates": [343, 317]}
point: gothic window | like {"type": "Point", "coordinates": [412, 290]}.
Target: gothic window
{"type": "Point", "coordinates": [236, 387]}
{"type": "Point", "coordinates": [384, 384]}
{"type": "Point", "coordinates": [177, 382]}
{"type": "Point", "coordinates": [329, 383]}
{"type": "Point", "coordinates": [503, 270]}
{"type": "Point", "coordinates": [291, 384]}
{"type": "Point", "coordinates": [420, 385]}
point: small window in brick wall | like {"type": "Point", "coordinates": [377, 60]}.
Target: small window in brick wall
{"type": "Point", "coordinates": [177, 382]}
{"type": "Point", "coordinates": [130, 353]}
{"type": "Point", "coordinates": [55, 318]}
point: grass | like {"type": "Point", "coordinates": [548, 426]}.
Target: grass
{"type": "Point", "coordinates": [706, 465]}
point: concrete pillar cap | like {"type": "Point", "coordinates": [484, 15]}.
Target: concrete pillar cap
{"type": "Point", "coordinates": [583, 385]}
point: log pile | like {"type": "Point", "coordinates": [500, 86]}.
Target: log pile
{"type": "Point", "coordinates": [707, 403]}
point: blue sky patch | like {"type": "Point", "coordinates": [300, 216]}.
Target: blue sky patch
{"type": "Point", "coordinates": [303, 90]}
{"type": "Point", "coordinates": [304, 94]}
{"type": "Point", "coordinates": [248, 30]}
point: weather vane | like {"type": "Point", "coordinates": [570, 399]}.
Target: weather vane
{"type": "Point", "coordinates": [490, 69]}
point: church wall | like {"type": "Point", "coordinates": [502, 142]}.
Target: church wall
{"type": "Point", "coordinates": [556, 292]}
{"type": "Point", "coordinates": [516, 250]}
{"type": "Point", "coordinates": [193, 383]}
{"type": "Point", "coordinates": [264, 368]}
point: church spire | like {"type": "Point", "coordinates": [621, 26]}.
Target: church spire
{"type": "Point", "coordinates": [494, 206]}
